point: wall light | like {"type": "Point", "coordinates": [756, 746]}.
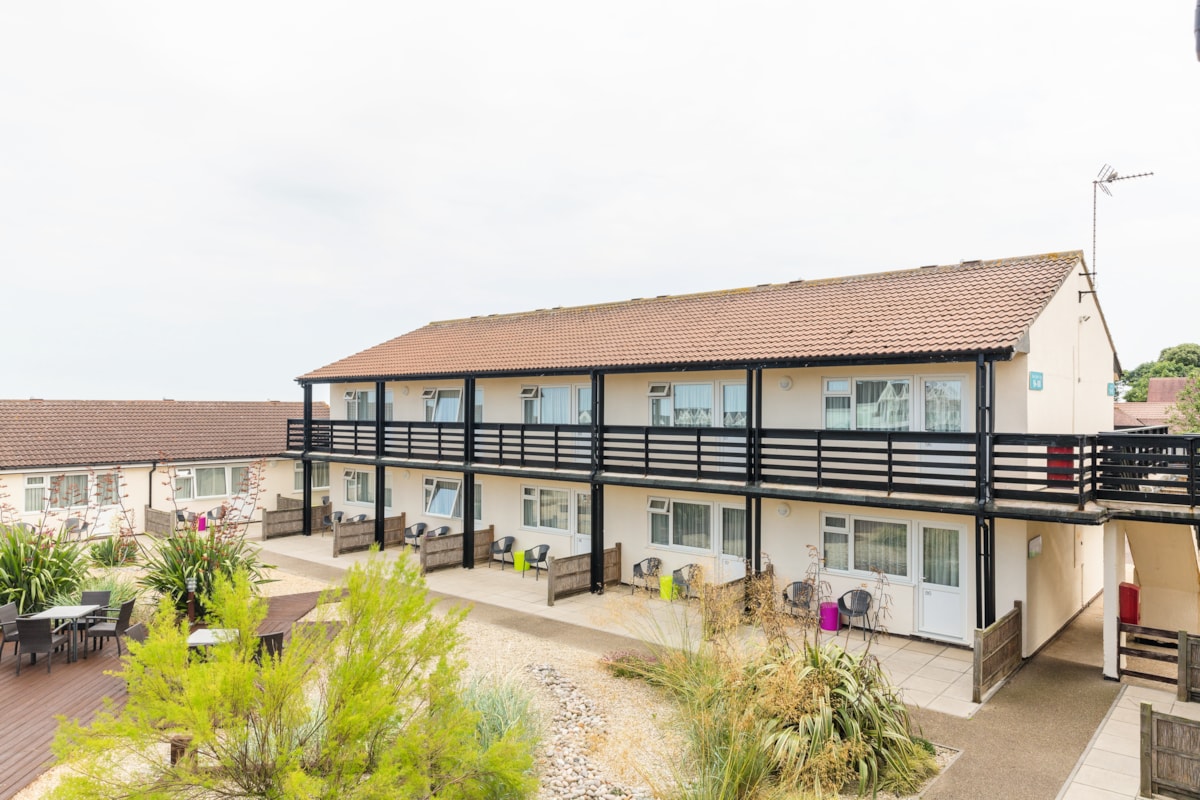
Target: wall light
{"type": "Point", "coordinates": [783, 510]}
{"type": "Point", "coordinates": [785, 383]}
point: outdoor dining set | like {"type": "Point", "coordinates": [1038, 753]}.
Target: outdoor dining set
{"type": "Point", "coordinates": [91, 621]}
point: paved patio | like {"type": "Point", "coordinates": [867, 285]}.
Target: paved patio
{"type": "Point", "coordinates": [930, 675]}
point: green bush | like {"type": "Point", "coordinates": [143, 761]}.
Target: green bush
{"type": "Point", "coordinates": [114, 551]}
{"type": "Point", "coordinates": [202, 555]}
{"type": "Point", "coordinates": [35, 567]}
{"type": "Point", "coordinates": [119, 587]}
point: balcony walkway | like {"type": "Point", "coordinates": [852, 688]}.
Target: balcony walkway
{"type": "Point", "coordinates": [931, 675]}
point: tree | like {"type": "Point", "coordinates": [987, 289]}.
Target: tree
{"type": "Point", "coordinates": [374, 711]}
{"type": "Point", "coordinates": [1180, 361]}
{"type": "Point", "coordinates": [1184, 416]}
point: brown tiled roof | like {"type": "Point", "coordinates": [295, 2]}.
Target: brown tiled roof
{"type": "Point", "coordinates": [964, 308]}
{"type": "Point", "coordinates": [1165, 390]}
{"type": "Point", "coordinates": [48, 433]}
{"type": "Point", "coordinates": [1140, 415]}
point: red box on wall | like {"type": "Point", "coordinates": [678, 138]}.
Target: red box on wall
{"type": "Point", "coordinates": [1061, 463]}
{"type": "Point", "coordinates": [1131, 604]}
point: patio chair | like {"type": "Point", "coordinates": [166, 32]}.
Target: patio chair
{"type": "Point", "coordinates": [270, 645]}
{"type": "Point", "coordinates": [74, 526]}
{"type": "Point", "coordinates": [184, 518]}
{"type": "Point", "coordinates": [644, 571]}
{"type": "Point", "coordinates": [38, 636]}
{"type": "Point", "coordinates": [329, 519]}
{"type": "Point", "coordinates": [110, 627]}
{"type": "Point", "coordinates": [536, 557]}
{"type": "Point", "coordinates": [137, 633]}
{"type": "Point", "coordinates": [799, 598]}
{"type": "Point", "coordinates": [8, 627]}
{"type": "Point", "coordinates": [440, 531]}
{"type": "Point", "coordinates": [357, 518]}
{"type": "Point", "coordinates": [502, 547]}
{"type": "Point", "coordinates": [413, 534]}
{"type": "Point", "coordinates": [856, 603]}
{"type": "Point", "coordinates": [96, 598]}
{"type": "Point", "coordinates": [685, 579]}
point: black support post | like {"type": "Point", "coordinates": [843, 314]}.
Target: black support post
{"type": "Point", "coordinates": [468, 487]}
{"type": "Point", "coordinates": [596, 563]}
{"type": "Point", "coordinates": [758, 426]}
{"type": "Point", "coordinates": [380, 470]}
{"type": "Point", "coordinates": [985, 571]}
{"type": "Point", "coordinates": [751, 427]}
{"type": "Point", "coordinates": [307, 496]}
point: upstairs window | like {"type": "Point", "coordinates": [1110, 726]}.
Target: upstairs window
{"type": "Point", "coordinates": [686, 405]}
{"type": "Point", "coordinates": [546, 405]}
{"type": "Point", "coordinates": [444, 405]}
{"type": "Point", "coordinates": [360, 405]}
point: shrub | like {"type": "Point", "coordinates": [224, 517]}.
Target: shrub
{"type": "Point", "coordinates": [35, 566]}
{"type": "Point", "coordinates": [628, 664]}
{"type": "Point", "coordinates": [119, 587]}
{"type": "Point", "coordinates": [202, 555]}
{"type": "Point", "coordinates": [114, 551]}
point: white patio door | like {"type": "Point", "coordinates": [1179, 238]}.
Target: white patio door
{"type": "Point", "coordinates": [939, 593]}
{"type": "Point", "coordinates": [942, 412]}
{"type": "Point", "coordinates": [582, 539]}
{"type": "Point", "coordinates": [732, 562]}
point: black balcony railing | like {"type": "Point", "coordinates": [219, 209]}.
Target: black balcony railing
{"type": "Point", "coordinates": [1144, 468]}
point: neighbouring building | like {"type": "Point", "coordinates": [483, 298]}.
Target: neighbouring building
{"type": "Point", "coordinates": [940, 425]}
{"type": "Point", "coordinates": [85, 459]}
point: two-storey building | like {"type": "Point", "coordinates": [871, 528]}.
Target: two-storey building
{"type": "Point", "coordinates": [936, 424]}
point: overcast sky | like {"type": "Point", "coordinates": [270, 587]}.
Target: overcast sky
{"type": "Point", "coordinates": [203, 201]}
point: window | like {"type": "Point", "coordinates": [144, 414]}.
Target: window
{"type": "Point", "coordinates": [320, 475]}
{"type": "Point", "coordinates": [442, 498]}
{"type": "Point", "coordinates": [478, 404]}
{"type": "Point", "coordinates": [583, 513]}
{"type": "Point", "coordinates": [546, 508]}
{"type": "Point", "coordinates": [859, 544]}
{"type": "Point", "coordinates": [733, 405]}
{"type": "Point", "coordinates": [546, 405]}
{"type": "Point", "coordinates": [674, 523]}
{"type": "Point", "coordinates": [360, 404]}
{"type": "Point", "coordinates": [688, 405]}
{"type": "Point", "coordinates": [943, 406]}
{"type": "Point", "coordinates": [881, 405]}
{"type": "Point", "coordinates": [442, 405]}
{"type": "Point", "coordinates": [583, 405]}
{"type": "Point", "coordinates": [56, 491]}
{"type": "Point", "coordinates": [184, 484]}
{"type": "Point", "coordinates": [360, 486]}
{"type": "Point", "coordinates": [837, 404]}
{"type": "Point", "coordinates": [733, 531]}
{"type": "Point", "coordinates": [108, 488]}
{"type": "Point", "coordinates": [210, 482]}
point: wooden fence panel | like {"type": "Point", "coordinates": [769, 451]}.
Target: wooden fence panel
{"type": "Point", "coordinates": [288, 518]}
{"type": "Point", "coordinates": [354, 536]}
{"type": "Point", "coordinates": [440, 552]}
{"type": "Point", "coordinates": [997, 652]}
{"type": "Point", "coordinates": [573, 574]}
{"type": "Point", "coordinates": [1170, 755]}
{"type": "Point", "coordinates": [1189, 667]}
{"type": "Point", "coordinates": [159, 523]}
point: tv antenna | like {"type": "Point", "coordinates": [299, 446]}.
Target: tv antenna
{"type": "Point", "coordinates": [1106, 176]}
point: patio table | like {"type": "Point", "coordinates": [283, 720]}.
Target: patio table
{"type": "Point", "coordinates": [72, 613]}
{"type": "Point", "coordinates": [207, 637]}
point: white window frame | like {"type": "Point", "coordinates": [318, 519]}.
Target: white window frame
{"type": "Point", "coordinates": [112, 480]}
{"type": "Point", "coordinates": [36, 483]}
{"type": "Point", "coordinates": [666, 507]}
{"type": "Point", "coordinates": [533, 395]}
{"type": "Point", "coordinates": [353, 481]}
{"type": "Point", "coordinates": [298, 476]}
{"type": "Point", "coordinates": [916, 398]}
{"type": "Point", "coordinates": [46, 483]}
{"type": "Point", "coordinates": [910, 546]}
{"type": "Point", "coordinates": [534, 493]}
{"type": "Point", "coordinates": [351, 396]}
{"type": "Point", "coordinates": [184, 477]}
{"type": "Point", "coordinates": [434, 393]}
{"type": "Point", "coordinates": [719, 406]}
{"type": "Point", "coordinates": [429, 484]}
{"type": "Point", "coordinates": [657, 393]}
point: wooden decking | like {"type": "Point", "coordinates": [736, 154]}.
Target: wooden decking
{"type": "Point", "coordinates": [32, 701]}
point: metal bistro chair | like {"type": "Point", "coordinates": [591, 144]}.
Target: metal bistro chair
{"type": "Point", "coordinates": [413, 534]}
{"type": "Point", "coordinates": [644, 571]}
{"type": "Point", "coordinates": [439, 531]}
{"type": "Point", "coordinates": [856, 603]}
{"type": "Point", "coordinates": [328, 520]}
{"type": "Point", "coordinates": [75, 527]}
{"type": "Point", "coordinates": [357, 518]}
{"type": "Point", "coordinates": [502, 547]}
{"type": "Point", "coordinates": [685, 579]}
{"type": "Point", "coordinates": [38, 636]}
{"type": "Point", "coordinates": [799, 598]}
{"type": "Point", "coordinates": [536, 557]}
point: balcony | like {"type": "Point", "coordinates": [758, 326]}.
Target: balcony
{"type": "Point", "coordinates": [1043, 468]}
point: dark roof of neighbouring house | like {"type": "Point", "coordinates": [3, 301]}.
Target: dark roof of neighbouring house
{"type": "Point", "coordinates": [1140, 415]}
{"type": "Point", "coordinates": [1165, 390]}
{"type": "Point", "coordinates": [63, 433]}
{"type": "Point", "coordinates": [962, 309]}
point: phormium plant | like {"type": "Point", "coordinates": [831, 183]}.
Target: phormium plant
{"type": "Point", "coordinates": [36, 565]}
{"type": "Point", "coordinates": [202, 555]}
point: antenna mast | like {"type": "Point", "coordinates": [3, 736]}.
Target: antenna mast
{"type": "Point", "coordinates": [1108, 175]}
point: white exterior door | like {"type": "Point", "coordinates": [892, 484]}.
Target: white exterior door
{"type": "Point", "coordinates": [939, 593]}
{"type": "Point", "coordinates": [582, 539]}
{"type": "Point", "coordinates": [731, 565]}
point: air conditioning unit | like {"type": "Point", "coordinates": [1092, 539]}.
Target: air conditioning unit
{"type": "Point", "coordinates": [529, 392]}
{"type": "Point", "coordinates": [659, 390]}
{"type": "Point", "coordinates": [661, 504]}
{"type": "Point", "coordinates": [429, 394]}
